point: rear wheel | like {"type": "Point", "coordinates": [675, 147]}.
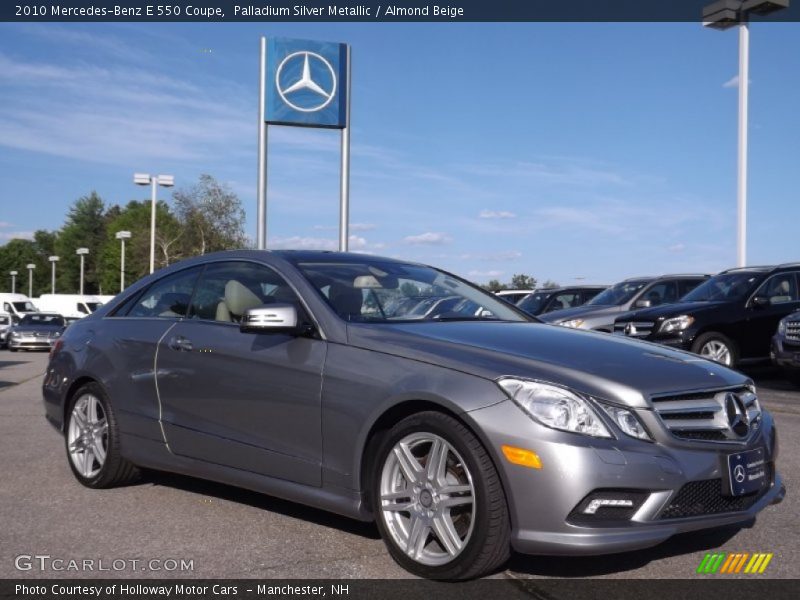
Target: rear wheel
{"type": "Point", "coordinates": [793, 375]}
{"type": "Point", "coordinates": [439, 503]}
{"type": "Point", "coordinates": [92, 441]}
{"type": "Point", "coordinates": [717, 347]}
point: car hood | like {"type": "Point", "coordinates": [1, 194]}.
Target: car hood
{"type": "Point", "coordinates": [579, 312]}
{"type": "Point", "coordinates": [611, 367]}
{"type": "Point", "coordinates": [671, 310]}
{"type": "Point", "coordinates": [37, 328]}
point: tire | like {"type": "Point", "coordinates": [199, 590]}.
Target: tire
{"type": "Point", "coordinates": [92, 441]}
{"type": "Point", "coordinates": [13, 349]}
{"type": "Point", "coordinates": [793, 375]}
{"type": "Point", "coordinates": [462, 502]}
{"type": "Point", "coordinates": [718, 348]}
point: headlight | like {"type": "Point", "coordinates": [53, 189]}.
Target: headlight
{"type": "Point", "coordinates": [574, 323]}
{"type": "Point", "coordinates": [56, 334]}
{"type": "Point", "coordinates": [782, 327]}
{"type": "Point", "coordinates": [555, 407]}
{"type": "Point", "coordinates": [676, 324]}
{"type": "Point", "coordinates": [13, 334]}
{"type": "Point", "coordinates": [627, 421]}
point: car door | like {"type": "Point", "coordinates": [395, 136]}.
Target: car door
{"type": "Point", "coordinates": [250, 401]}
{"type": "Point", "coordinates": [780, 292]}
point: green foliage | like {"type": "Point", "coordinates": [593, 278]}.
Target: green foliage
{"type": "Point", "coordinates": [495, 286]}
{"type": "Point", "coordinates": [207, 217]}
{"type": "Point", "coordinates": [550, 284]}
{"type": "Point", "coordinates": [523, 282]}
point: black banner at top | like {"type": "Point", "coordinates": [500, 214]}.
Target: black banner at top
{"type": "Point", "coordinates": [392, 10]}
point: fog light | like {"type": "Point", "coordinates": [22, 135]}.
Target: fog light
{"type": "Point", "coordinates": [598, 502]}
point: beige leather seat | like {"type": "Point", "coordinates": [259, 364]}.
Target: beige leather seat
{"type": "Point", "coordinates": [238, 299]}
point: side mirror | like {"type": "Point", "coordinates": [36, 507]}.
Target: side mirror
{"type": "Point", "coordinates": [643, 304]}
{"type": "Point", "coordinates": [759, 301]}
{"type": "Point", "coordinates": [272, 318]}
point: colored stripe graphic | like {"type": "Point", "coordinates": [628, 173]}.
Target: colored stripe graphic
{"type": "Point", "coordinates": [723, 562]}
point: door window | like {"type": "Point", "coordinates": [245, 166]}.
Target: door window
{"type": "Point", "coordinates": [168, 298]}
{"type": "Point", "coordinates": [226, 290]}
{"type": "Point", "coordinates": [662, 293]}
{"type": "Point", "coordinates": [779, 289]}
{"type": "Point", "coordinates": [562, 301]}
{"type": "Point", "coordinates": [687, 285]}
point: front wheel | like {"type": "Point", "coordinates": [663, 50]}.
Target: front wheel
{"type": "Point", "coordinates": [716, 347]}
{"type": "Point", "coordinates": [438, 499]}
{"type": "Point", "coordinates": [92, 441]}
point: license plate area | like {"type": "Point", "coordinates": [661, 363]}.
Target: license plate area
{"type": "Point", "coordinates": [747, 472]}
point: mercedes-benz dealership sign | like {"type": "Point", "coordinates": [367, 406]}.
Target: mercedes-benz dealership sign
{"type": "Point", "coordinates": [306, 83]}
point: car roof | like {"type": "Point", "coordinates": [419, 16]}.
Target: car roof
{"type": "Point", "coordinates": [670, 276]}
{"type": "Point", "coordinates": [297, 256]}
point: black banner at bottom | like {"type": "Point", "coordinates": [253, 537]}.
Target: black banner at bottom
{"type": "Point", "coordinates": [501, 587]}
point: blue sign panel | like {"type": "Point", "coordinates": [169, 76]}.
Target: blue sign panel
{"type": "Point", "coordinates": [306, 83]}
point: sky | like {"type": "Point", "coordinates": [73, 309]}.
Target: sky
{"type": "Point", "coordinates": [571, 152]}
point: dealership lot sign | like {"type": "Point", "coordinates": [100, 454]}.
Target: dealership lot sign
{"type": "Point", "coordinates": [306, 83]}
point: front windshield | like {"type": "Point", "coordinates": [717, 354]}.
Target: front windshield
{"type": "Point", "coordinates": [24, 306]}
{"type": "Point", "coordinates": [533, 303]}
{"type": "Point", "coordinates": [54, 320]}
{"type": "Point", "coordinates": [378, 292]}
{"type": "Point", "coordinates": [723, 287]}
{"type": "Point", "coordinates": [618, 294]}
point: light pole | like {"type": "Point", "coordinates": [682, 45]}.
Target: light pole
{"type": "Point", "coordinates": [13, 281]}
{"type": "Point", "coordinates": [53, 260]}
{"type": "Point", "coordinates": [122, 236]}
{"type": "Point", "coordinates": [153, 182]}
{"type": "Point", "coordinates": [722, 15]}
{"type": "Point", "coordinates": [82, 252]}
{"type": "Point", "coordinates": [30, 267]}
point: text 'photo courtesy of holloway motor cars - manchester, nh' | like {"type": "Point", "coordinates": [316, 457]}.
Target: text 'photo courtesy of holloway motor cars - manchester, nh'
{"type": "Point", "coordinates": [410, 300]}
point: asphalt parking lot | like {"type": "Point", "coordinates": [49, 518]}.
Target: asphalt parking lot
{"type": "Point", "coordinates": [231, 533]}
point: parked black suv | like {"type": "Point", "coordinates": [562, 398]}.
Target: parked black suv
{"type": "Point", "coordinates": [550, 299]}
{"type": "Point", "coordinates": [730, 318]}
{"type": "Point", "coordinates": [786, 346]}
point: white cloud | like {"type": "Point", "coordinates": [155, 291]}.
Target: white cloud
{"type": "Point", "coordinates": [496, 214]}
{"type": "Point", "coordinates": [5, 224]}
{"type": "Point", "coordinates": [733, 82]}
{"type": "Point", "coordinates": [362, 226]}
{"type": "Point", "coordinates": [428, 238]}
{"type": "Point", "coordinates": [16, 235]}
{"type": "Point", "coordinates": [485, 273]}
{"type": "Point", "coordinates": [297, 242]}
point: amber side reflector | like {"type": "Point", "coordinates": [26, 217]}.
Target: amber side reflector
{"type": "Point", "coordinates": [523, 457]}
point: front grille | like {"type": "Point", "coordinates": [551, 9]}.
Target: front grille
{"type": "Point", "coordinates": [706, 416]}
{"type": "Point", "coordinates": [793, 331]}
{"type": "Point", "coordinates": [638, 329]}
{"type": "Point", "coordinates": [698, 498]}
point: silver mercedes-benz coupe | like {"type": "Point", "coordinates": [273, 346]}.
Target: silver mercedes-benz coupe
{"type": "Point", "coordinates": [463, 431]}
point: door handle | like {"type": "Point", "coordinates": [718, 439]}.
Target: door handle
{"type": "Point", "coordinates": [180, 343]}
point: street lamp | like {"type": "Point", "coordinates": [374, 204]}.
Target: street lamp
{"type": "Point", "coordinates": [722, 15]}
{"type": "Point", "coordinates": [13, 281]}
{"type": "Point", "coordinates": [82, 252]}
{"type": "Point", "coordinates": [153, 182]}
{"type": "Point", "coordinates": [122, 236]}
{"type": "Point", "coordinates": [53, 260]}
{"type": "Point", "coordinates": [30, 268]}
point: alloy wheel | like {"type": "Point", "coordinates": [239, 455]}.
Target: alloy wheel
{"type": "Point", "coordinates": [716, 351]}
{"type": "Point", "coordinates": [427, 498]}
{"type": "Point", "coordinates": [87, 436]}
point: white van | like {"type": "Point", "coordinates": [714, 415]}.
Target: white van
{"type": "Point", "coordinates": [69, 306]}
{"type": "Point", "coordinates": [16, 305]}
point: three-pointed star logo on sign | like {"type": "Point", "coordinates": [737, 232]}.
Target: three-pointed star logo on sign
{"type": "Point", "coordinates": [306, 81]}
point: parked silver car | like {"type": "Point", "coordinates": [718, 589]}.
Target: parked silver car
{"type": "Point", "coordinates": [35, 331]}
{"type": "Point", "coordinates": [463, 435]}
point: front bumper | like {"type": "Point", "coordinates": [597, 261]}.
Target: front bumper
{"type": "Point", "coordinates": [31, 343]}
{"type": "Point", "coordinates": [785, 355]}
{"type": "Point", "coordinates": [542, 501]}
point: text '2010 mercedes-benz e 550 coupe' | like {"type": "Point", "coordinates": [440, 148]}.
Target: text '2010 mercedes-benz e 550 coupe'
{"type": "Point", "coordinates": [396, 392]}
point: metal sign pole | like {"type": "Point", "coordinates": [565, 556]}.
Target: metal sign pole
{"type": "Point", "coordinates": [741, 187]}
{"type": "Point", "coordinates": [344, 176]}
{"type": "Point", "coordinates": [261, 213]}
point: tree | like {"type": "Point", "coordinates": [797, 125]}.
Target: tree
{"type": "Point", "coordinates": [523, 282]}
{"type": "Point", "coordinates": [549, 284]}
{"type": "Point", "coordinates": [135, 217]}
{"type": "Point", "coordinates": [85, 227]}
{"type": "Point", "coordinates": [495, 286]}
{"type": "Point", "coordinates": [211, 216]}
